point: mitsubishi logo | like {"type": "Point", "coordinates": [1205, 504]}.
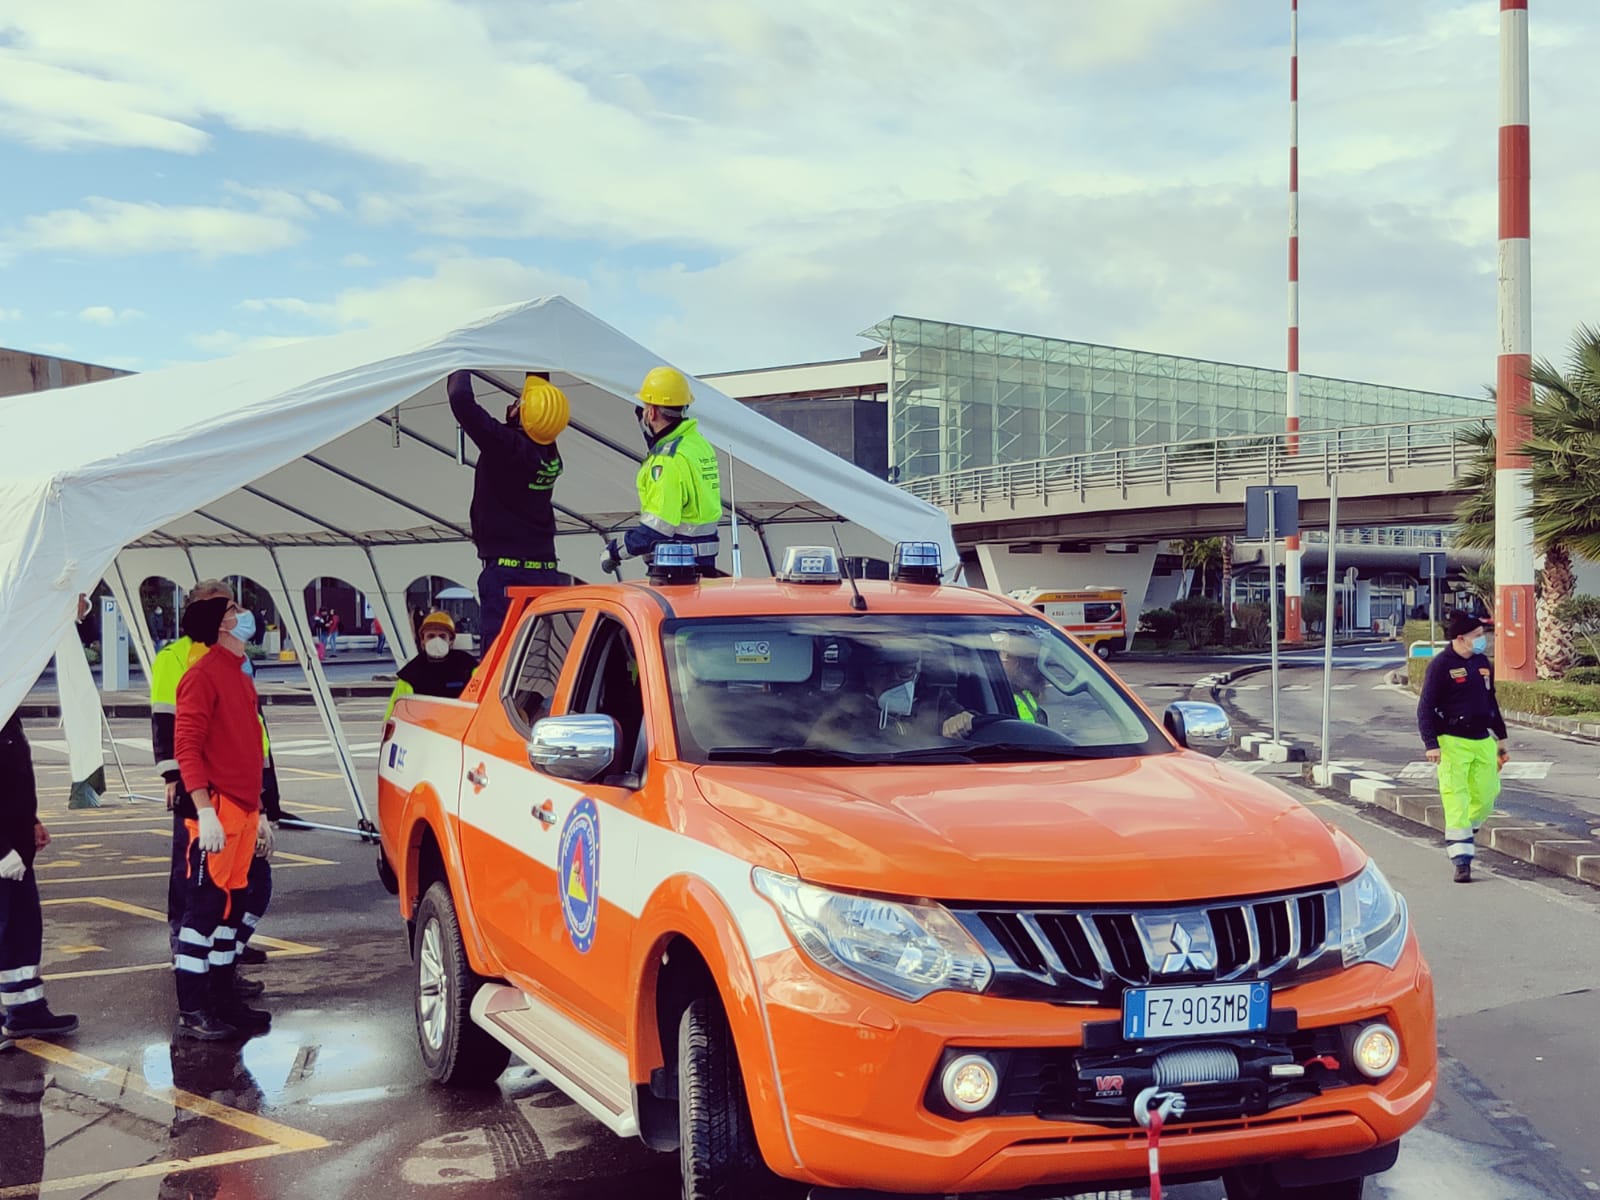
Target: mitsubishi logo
{"type": "Point", "coordinates": [1186, 956]}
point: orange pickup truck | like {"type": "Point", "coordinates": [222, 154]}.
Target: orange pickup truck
{"type": "Point", "coordinates": [889, 887]}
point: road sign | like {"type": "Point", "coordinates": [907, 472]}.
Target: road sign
{"type": "Point", "coordinates": [1431, 562]}
{"type": "Point", "coordinates": [1284, 518]}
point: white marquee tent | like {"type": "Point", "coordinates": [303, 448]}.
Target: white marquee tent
{"type": "Point", "coordinates": [338, 456]}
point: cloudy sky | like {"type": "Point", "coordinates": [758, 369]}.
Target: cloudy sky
{"type": "Point", "coordinates": [740, 183]}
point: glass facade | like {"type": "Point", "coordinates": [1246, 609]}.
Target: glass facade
{"type": "Point", "coordinates": [963, 397]}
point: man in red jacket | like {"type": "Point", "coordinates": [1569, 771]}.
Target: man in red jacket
{"type": "Point", "coordinates": [217, 741]}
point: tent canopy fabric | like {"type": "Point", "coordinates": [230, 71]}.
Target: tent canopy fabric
{"type": "Point", "coordinates": [346, 445]}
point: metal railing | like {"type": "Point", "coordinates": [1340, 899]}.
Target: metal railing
{"type": "Point", "coordinates": [1238, 460]}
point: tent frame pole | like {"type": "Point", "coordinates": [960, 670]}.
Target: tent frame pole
{"type": "Point", "coordinates": [322, 695]}
{"type": "Point", "coordinates": [390, 629]}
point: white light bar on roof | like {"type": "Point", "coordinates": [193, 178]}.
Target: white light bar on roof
{"type": "Point", "coordinates": [809, 564]}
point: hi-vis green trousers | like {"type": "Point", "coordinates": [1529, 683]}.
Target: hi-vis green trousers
{"type": "Point", "coordinates": [1469, 782]}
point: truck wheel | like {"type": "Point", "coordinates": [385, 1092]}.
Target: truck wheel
{"type": "Point", "coordinates": [1256, 1183]}
{"type": "Point", "coordinates": [717, 1146]}
{"type": "Point", "coordinates": [1102, 651]}
{"type": "Point", "coordinates": [454, 1050]}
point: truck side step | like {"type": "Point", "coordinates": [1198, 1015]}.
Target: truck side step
{"type": "Point", "coordinates": [593, 1073]}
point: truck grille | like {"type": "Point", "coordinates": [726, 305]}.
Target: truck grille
{"type": "Point", "coordinates": [1089, 955]}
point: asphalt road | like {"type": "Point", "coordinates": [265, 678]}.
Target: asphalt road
{"type": "Point", "coordinates": [333, 1102]}
{"type": "Point", "coordinates": [1551, 777]}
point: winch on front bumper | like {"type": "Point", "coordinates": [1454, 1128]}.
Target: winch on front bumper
{"type": "Point", "coordinates": [1221, 1077]}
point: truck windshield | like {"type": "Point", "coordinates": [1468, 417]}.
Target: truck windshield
{"type": "Point", "coordinates": [880, 688]}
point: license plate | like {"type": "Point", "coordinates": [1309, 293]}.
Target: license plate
{"type": "Point", "coordinates": [1168, 1012]}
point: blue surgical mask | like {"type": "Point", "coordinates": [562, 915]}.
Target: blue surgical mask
{"type": "Point", "coordinates": [1480, 644]}
{"type": "Point", "coordinates": [244, 627]}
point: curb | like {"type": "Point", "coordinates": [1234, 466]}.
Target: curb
{"type": "Point", "coordinates": [1254, 745]}
{"type": "Point", "coordinates": [1543, 845]}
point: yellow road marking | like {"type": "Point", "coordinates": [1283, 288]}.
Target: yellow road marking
{"type": "Point", "coordinates": [80, 949]}
{"type": "Point", "coordinates": [280, 1139]}
{"type": "Point", "coordinates": [307, 773]}
{"type": "Point", "coordinates": [51, 977]}
{"type": "Point", "coordinates": [299, 860]}
{"type": "Point", "coordinates": [282, 947]}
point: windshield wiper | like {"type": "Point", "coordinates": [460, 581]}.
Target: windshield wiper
{"type": "Point", "coordinates": [787, 755]}
{"type": "Point", "coordinates": [1019, 752]}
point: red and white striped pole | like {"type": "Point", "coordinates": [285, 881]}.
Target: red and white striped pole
{"type": "Point", "coordinates": [1293, 626]}
{"type": "Point", "coordinates": [1513, 532]}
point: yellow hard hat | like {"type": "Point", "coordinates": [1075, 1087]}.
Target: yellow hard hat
{"type": "Point", "coordinates": [666, 388]}
{"type": "Point", "coordinates": [545, 412]}
{"type": "Point", "coordinates": [439, 618]}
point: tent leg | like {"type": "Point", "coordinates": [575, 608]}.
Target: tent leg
{"type": "Point", "coordinates": [134, 616]}
{"type": "Point", "coordinates": [127, 790]}
{"type": "Point", "coordinates": [386, 615]}
{"type": "Point", "coordinates": [320, 692]}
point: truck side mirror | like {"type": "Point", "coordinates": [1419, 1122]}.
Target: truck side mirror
{"type": "Point", "coordinates": [1198, 726]}
{"type": "Point", "coordinates": [579, 747]}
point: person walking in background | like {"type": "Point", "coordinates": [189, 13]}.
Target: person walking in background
{"type": "Point", "coordinates": [377, 632]}
{"type": "Point", "coordinates": [513, 516]}
{"type": "Point", "coordinates": [679, 483]}
{"type": "Point", "coordinates": [333, 632]}
{"type": "Point", "coordinates": [1464, 732]}
{"type": "Point", "coordinates": [23, 1011]}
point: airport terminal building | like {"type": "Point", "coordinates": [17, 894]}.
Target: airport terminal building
{"type": "Point", "coordinates": [933, 398]}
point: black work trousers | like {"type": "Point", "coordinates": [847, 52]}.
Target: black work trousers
{"type": "Point", "coordinates": [21, 943]}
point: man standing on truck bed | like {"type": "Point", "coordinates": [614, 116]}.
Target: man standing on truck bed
{"type": "Point", "coordinates": [680, 486]}
{"type": "Point", "coordinates": [1459, 718]}
{"type": "Point", "coordinates": [513, 519]}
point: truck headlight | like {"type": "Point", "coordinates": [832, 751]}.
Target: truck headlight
{"type": "Point", "coordinates": [1372, 919]}
{"type": "Point", "coordinates": [910, 950]}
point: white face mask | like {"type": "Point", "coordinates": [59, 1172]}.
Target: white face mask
{"type": "Point", "coordinates": [436, 647]}
{"type": "Point", "coordinates": [896, 702]}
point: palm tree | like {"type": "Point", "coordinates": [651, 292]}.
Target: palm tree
{"type": "Point", "coordinates": [1198, 554]}
{"type": "Point", "coordinates": [1480, 583]}
{"type": "Point", "coordinates": [1564, 453]}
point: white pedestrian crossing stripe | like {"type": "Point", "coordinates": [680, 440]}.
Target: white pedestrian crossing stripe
{"type": "Point", "coordinates": [1512, 770]}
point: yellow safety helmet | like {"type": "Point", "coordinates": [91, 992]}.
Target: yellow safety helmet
{"type": "Point", "coordinates": [440, 620]}
{"type": "Point", "coordinates": [666, 388]}
{"type": "Point", "coordinates": [545, 411]}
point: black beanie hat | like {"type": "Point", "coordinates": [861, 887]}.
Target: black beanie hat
{"type": "Point", "coordinates": [202, 620]}
{"type": "Point", "coordinates": [1461, 622]}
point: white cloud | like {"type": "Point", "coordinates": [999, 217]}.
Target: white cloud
{"type": "Point", "coordinates": [59, 108]}
{"type": "Point", "coordinates": [226, 341]}
{"type": "Point", "coordinates": [1113, 173]}
{"type": "Point", "coordinates": [290, 306]}
{"type": "Point", "coordinates": [104, 314]}
{"type": "Point", "coordinates": [458, 284]}
{"type": "Point", "coordinates": [119, 227]}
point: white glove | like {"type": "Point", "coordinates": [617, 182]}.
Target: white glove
{"type": "Point", "coordinates": [266, 839]}
{"type": "Point", "coordinates": [12, 867]}
{"type": "Point", "coordinates": [212, 839]}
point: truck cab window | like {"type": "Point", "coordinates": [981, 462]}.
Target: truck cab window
{"type": "Point", "coordinates": [540, 653]}
{"type": "Point", "coordinates": [608, 683]}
